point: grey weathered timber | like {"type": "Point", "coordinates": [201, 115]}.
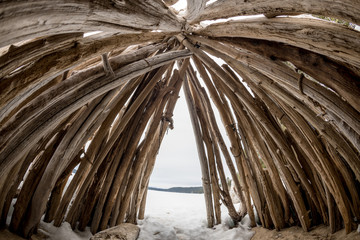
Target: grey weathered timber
{"type": "Point", "coordinates": [88, 90]}
{"type": "Point", "coordinates": [283, 146]}
{"type": "Point", "coordinates": [94, 87]}
{"type": "Point", "coordinates": [345, 10]}
{"type": "Point", "coordinates": [326, 38]}
{"type": "Point", "coordinates": [24, 83]}
{"type": "Point", "coordinates": [201, 153]}
{"type": "Point", "coordinates": [329, 102]}
{"type": "Point", "coordinates": [125, 231]}
{"type": "Point", "coordinates": [194, 9]}
{"type": "Point", "coordinates": [240, 186]}
{"type": "Point", "coordinates": [331, 73]}
{"type": "Point", "coordinates": [37, 18]}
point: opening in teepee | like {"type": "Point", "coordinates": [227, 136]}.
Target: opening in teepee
{"type": "Point", "coordinates": [107, 75]}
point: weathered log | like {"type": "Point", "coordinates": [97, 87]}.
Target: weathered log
{"type": "Point", "coordinates": [345, 10]}
{"type": "Point", "coordinates": [349, 154]}
{"type": "Point", "coordinates": [341, 42]}
{"type": "Point", "coordinates": [40, 18]}
{"type": "Point", "coordinates": [174, 82]}
{"type": "Point", "coordinates": [124, 165]}
{"type": "Point", "coordinates": [136, 175]}
{"type": "Point", "coordinates": [114, 217]}
{"type": "Point", "coordinates": [128, 155]}
{"type": "Point", "coordinates": [105, 120]}
{"type": "Point", "coordinates": [342, 201]}
{"type": "Point", "coordinates": [280, 114]}
{"type": "Point", "coordinates": [330, 203]}
{"type": "Point", "coordinates": [201, 153]}
{"type": "Point", "coordinates": [101, 137]}
{"type": "Point", "coordinates": [348, 178]}
{"type": "Point", "coordinates": [164, 96]}
{"type": "Point", "coordinates": [96, 149]}
{"type": "Point", "coordinates": [329, 72]}
{"type": "Point", "coordinates": [11, 193]}
{"type": "Point", "coordinates": [26, 82]}
{"type": "Point", "coordinates": [5, 189]}
{"type": "Point", "coordinates": [126, 146]}
{"type": "Point", "coordinates": [208, 142]}
{"type": "Point", "coordinates": [235, 144]}
{"type": "Point", "coordinates": [27, 191]}
{"type": "Point", "coordinates": [292, 188]}
{"type": "Point", "coordinates": [170, 92]}
{"type": "Point", "coordinates": [54, 168]}
{"type": "Point", "coordinates": [328, 99]}
{"type": "Point", "coordinates": [194, 9]}
{"type": "Point", "coordinates": [141, 214]}
{"type": "Point", "coordinates": [97, 85]}
{"type": "Point", "coordinates": [29, 51]}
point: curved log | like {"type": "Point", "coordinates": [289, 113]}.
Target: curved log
{"type": "Point", "coordinates": [194, 8]}
{"type": "Point", "coordinates": [22, 20]}
{"type": "Point", "coordinates": [342, 9]}
{"type": "Point", "coordinates": [333, 104]}
{"type": "Point", "coordinates": [327, 71]}
{"type": "Point", "coordinates": [330, 39]}
{"type": "Point", "coordinates": [17, 87]}
{"type": "Point", "coordinates": [97, 83]}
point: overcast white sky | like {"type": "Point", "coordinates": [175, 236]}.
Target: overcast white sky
{"type": "Point", "coordinates": [177, 163]}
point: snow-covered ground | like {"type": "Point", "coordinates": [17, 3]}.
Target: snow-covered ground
{"type": "Point", "coordinates": [181, 216]}
{"type": "Point", "coordinates": [169, 216]}
{"type": "Point", "coordinates": [63, 232]}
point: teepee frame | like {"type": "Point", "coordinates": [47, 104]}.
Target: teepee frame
{"type": "Point", "coordinates": [287, 95]}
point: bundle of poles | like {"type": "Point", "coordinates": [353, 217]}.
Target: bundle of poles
{"type": "Point", "coordinates": [287, 92]}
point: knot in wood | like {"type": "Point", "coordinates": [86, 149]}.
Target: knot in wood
{"type": "Point", "coordinates": [232, 126]}
{"type": "Point", "coordinates": [168, 117]}
{"type": "Point", "coordinates": [301, 77]}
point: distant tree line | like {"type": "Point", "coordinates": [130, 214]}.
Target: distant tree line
{"type": "Point", "coordinates": [196, 190]}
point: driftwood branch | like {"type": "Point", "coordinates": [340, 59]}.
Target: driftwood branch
{"type": "Point", "coordinates": [310, 34]}
{"type": "Point", "coordinates": [345, 10]}
{"type": "Point", "coordinates": [194, 8]}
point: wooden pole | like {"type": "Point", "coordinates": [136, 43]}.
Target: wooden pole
{"type": "Point", "coordinates": [201, 153]}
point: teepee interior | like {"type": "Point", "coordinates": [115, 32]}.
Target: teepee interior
{"type": "Point", "coordinates": [92, 85]}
